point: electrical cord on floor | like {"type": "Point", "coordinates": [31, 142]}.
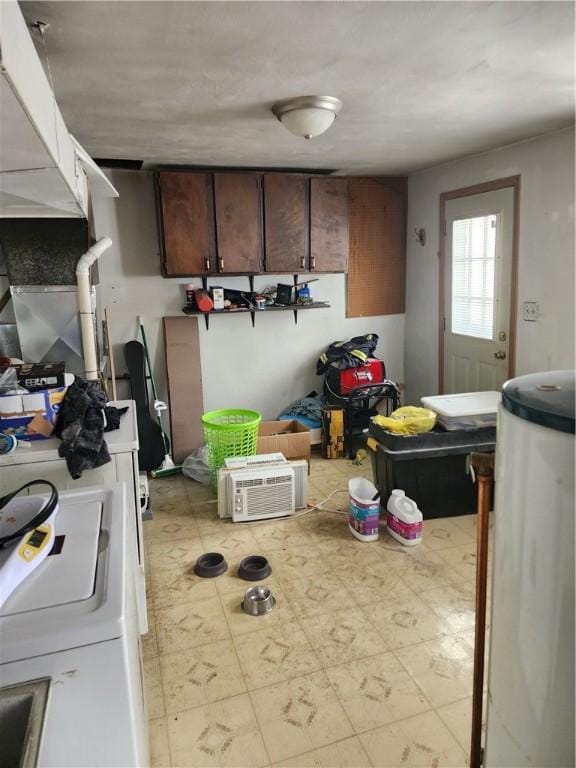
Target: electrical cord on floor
{"type": "Point", "coordinates": [302, 513]}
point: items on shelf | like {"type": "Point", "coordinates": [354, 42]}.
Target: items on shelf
{"type": "Point", "coordinates": [217, 300]}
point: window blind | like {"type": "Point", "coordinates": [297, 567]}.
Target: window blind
{"type": "Point", "coordinates": [474, 276]}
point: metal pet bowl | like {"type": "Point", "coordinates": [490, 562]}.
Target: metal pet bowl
{"type": "Point", "coordinates": [258, 601]}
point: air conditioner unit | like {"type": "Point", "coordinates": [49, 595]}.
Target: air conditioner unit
{"type": "Point", "coordinates": [299, 467]}
{"type": "Point", "coordinates": [239, 462]}
{"type": "Point", "coordinates": [261, 493]}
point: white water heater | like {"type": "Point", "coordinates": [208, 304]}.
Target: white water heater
{"type": "Point", "coordinates": [531, 666]}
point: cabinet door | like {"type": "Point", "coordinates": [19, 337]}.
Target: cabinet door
{"type": "Point", "coordinates": [286, 225]}
{"type": "Point", "coordinates": [328, 225]}
{"type": "Point", "coordinates": [187, 206]}
{"type": "Point", "coordinates": [238, 222]}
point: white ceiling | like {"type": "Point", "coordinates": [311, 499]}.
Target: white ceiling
{"type": "Point", "coordinates": [422, 82]}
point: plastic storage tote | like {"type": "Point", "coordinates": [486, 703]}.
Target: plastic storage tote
{"type": "Point", "coordinates": [229, 432]}
{"type": "Point", "coordinates": [466, 410]}
{"type": "Point", "coordinates": [430, 468]}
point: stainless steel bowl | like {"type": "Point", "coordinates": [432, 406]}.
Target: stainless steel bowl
{"type": "Point", "coordinates": [258, 601]}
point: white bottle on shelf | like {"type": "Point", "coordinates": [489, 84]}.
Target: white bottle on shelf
{"type": "Point", "coordinates": [404, 519]}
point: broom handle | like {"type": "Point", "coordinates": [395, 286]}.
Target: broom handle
{"type": "Point", "coordinates": [483, 464]}
{"type": "Point", "coordinates": [153, 383]}
{"type": "Point", "coordinates": [145, 343]}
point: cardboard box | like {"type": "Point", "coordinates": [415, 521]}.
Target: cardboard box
{"type": "Point", "coordinates": [31, 416]}
{"type": "Point", "coordinates": [291, 438]}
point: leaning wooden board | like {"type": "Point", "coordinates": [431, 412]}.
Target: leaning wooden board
{"type": "Point", "coordinates": [184, 374]}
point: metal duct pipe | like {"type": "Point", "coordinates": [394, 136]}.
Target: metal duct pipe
{"type": "Point", "coordinates": [86, 315]}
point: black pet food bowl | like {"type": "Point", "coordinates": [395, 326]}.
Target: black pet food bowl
{"type": "Point", "coordinates": [210, 565]}
{"type": "Point", "coordinates": [254, 568]}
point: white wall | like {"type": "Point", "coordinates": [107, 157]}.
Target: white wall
{"type": "Point", "coordinates": [265, 367]}
{"type": "Point", "coordinates": [546, 255]}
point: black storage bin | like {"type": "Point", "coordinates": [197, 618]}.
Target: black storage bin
{"type": "Point", "coordinates": [430, 468]}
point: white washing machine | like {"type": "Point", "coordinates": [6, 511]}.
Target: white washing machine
{"type": "Point", "coordinates": [74, 622]}
{"type": "Point", "coordinates": [531, 668]}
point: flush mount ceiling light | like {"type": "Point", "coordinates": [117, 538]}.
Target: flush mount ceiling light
{"type": "Point", "coordinates": [307, 116]}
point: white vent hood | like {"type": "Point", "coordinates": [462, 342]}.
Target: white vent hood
{"type": "Point", "coordinates": [44, 172]}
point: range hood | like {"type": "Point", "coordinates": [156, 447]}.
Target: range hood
{"type": "Point", "coordinates": [44, 172]}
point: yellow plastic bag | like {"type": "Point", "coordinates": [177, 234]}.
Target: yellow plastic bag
{"type": "Point", "coordinates": [407, 420]}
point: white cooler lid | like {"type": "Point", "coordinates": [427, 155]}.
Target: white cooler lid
{"type": "Point", "coordinates": [463, 404]}
{"type": "Point", "coordinates": [70, 575]}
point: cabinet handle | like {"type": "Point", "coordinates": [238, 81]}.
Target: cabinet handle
{"type": "Point", "coordinates": [207, 265]}
{"type": "Point", "coordinates": [313, 262]}
{"type": "Point", "coordinates": [302, 262]}
{"type": "Point", "coordinates": [221, 264]}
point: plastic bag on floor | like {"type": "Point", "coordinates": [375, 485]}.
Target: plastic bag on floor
{"type": "Point", "coordinates": [196, 466]}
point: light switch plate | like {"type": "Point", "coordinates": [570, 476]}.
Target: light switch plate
{"type": "Point", "coordinates": [530, 311]}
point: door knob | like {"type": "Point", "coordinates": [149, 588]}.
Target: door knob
{"type": "Point", "coordinates": [500, 355]}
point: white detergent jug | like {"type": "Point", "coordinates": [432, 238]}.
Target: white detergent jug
{"type": "Point", "coordinates": [404, 519]}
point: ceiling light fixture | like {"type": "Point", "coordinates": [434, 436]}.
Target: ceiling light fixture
{"type": "Point", "coordinates": [307, 116]}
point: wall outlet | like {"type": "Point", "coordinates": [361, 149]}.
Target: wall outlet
{"type": "Point", "coordinates": [530, 311]}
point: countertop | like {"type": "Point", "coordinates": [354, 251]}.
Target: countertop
{"type": "Point", "coordinates": [119, 441]}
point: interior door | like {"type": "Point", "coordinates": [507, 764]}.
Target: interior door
{"type": "Point", "coordinates": [479, 231]}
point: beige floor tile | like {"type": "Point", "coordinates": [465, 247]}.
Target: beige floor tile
{"type": "Point", "coordinates": [158, 740]}
{"type": "Point", "coordinates": [190, 624]}
{"type": "Point", "coordinates": [231, 583]}
{"type": "Point", "coordinates": [427, 571]}
{"type": "Point", "coordinates": [443, 532]}
{"type": "Point", "coordinates": [442, 668]}
{"type": "Point", "coordinates": [368, 588]}
{"type": "Point", "coordinates": [223, 734]}
{"type": "Point", "coordinates": [350, 558]}
{"type": "Point", "coordinates": [422, 741]}
{"type": "Point", "coordinates": [240, 623]}
{"type": "Point", "coordinates": [298, 563]}
{"type": "Point", "coordinates": [174, 554]}
{"type": "Point", "coordinates": [313, 596]}
{"type": "Point", "coordinates": [201, 675]}
{"type": "Point", "coordinates": [170, 527]}
{"type": "Point", "coordinates": [468, 523]}
{"type": "Point", "coordinates": [197, 492]}
{"type": "Point", "coordinates": [273, 655]}
{"type": "Point", "coordinates": [462, 558]}
{"type": "Point", "coordinates": [458, 718]}
{"type": "Point", "coordinates": [149, 641]}
{"type": "Point", "coordinates": [393, 553]}
{"type": "Point", "coordinates": [153, 688]}
{"type": "Point", "coordinates": [376, 691]}
{"type": "Point", "coordinates": [342, 636]}
{"type": "Point", "coordinates": [299, 715]}
{"type": "Point", "coordinates": [171, 586]}
{"type": "Point", "coordinates": [281, 535]}
{"type": "Point", "coordinates": [456, 611]}
{"type": "Point", "coordinates": [348, 753]}
{"type": "Point", "coordinates": [405, 621]}
{"type": "Point", "coordinates": [233, 541]}
{"type": "Point", "coordinates": [324, 525]}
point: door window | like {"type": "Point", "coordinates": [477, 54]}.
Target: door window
{"type": "Point", "coordinates": [474, 276]}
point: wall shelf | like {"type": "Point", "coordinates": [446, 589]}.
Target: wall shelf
{"type": "Point", "coordinates": [295, 308]}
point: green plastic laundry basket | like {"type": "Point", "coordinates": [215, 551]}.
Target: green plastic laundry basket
{"type": "Point", "coordinates": [229, 432]}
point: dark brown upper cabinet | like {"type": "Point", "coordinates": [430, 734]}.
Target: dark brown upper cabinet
{"type": "Point", "coordinates": [238, 222]}
{"type": "Point", "coordinates": [286, 222]}
{"type": "Point", "coordinates": [328, 224]}
{"type": "Point", "coordinates": [187, 222]}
